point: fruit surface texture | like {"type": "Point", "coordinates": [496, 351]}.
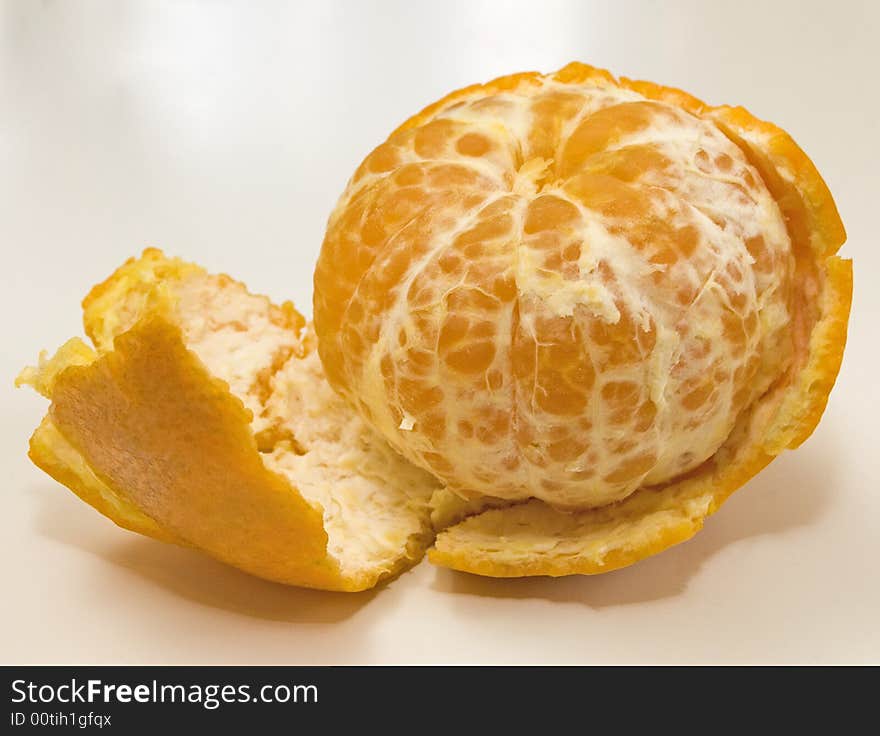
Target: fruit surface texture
{"type": "Point", "coordinates": [576, 288]}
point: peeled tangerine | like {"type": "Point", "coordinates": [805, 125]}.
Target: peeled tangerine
{"type": "Point", "coordinates": [600, 303]}
{"type": "Point", "coordinates": [582, 310]}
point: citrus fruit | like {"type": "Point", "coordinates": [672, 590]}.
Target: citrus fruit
{"type": "Point", "coordinates": [574, 292]}
{"type": "Point", "coordinates": [586, 309]}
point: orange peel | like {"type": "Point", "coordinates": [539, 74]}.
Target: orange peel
{"type": "Point", "coordinates": [202, 415]}
{"type": "Point", "coordinates": [202, 418]}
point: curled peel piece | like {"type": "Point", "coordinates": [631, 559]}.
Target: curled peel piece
{"type": "Point", "coordinates": [534, 539]}
{"type": "Point", "coordinates": [202, 418]}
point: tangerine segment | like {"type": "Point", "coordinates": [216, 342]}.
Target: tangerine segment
{"type": "Point", "coordinates": [558, 286]}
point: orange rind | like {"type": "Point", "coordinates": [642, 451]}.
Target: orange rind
{"type": "Point", "coordinates": [202, 418]}
{"type": "Point", "coordinates": [559, 319]}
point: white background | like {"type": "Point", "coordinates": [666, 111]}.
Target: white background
{"type": "Point", "coordinates": [223, 133]}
